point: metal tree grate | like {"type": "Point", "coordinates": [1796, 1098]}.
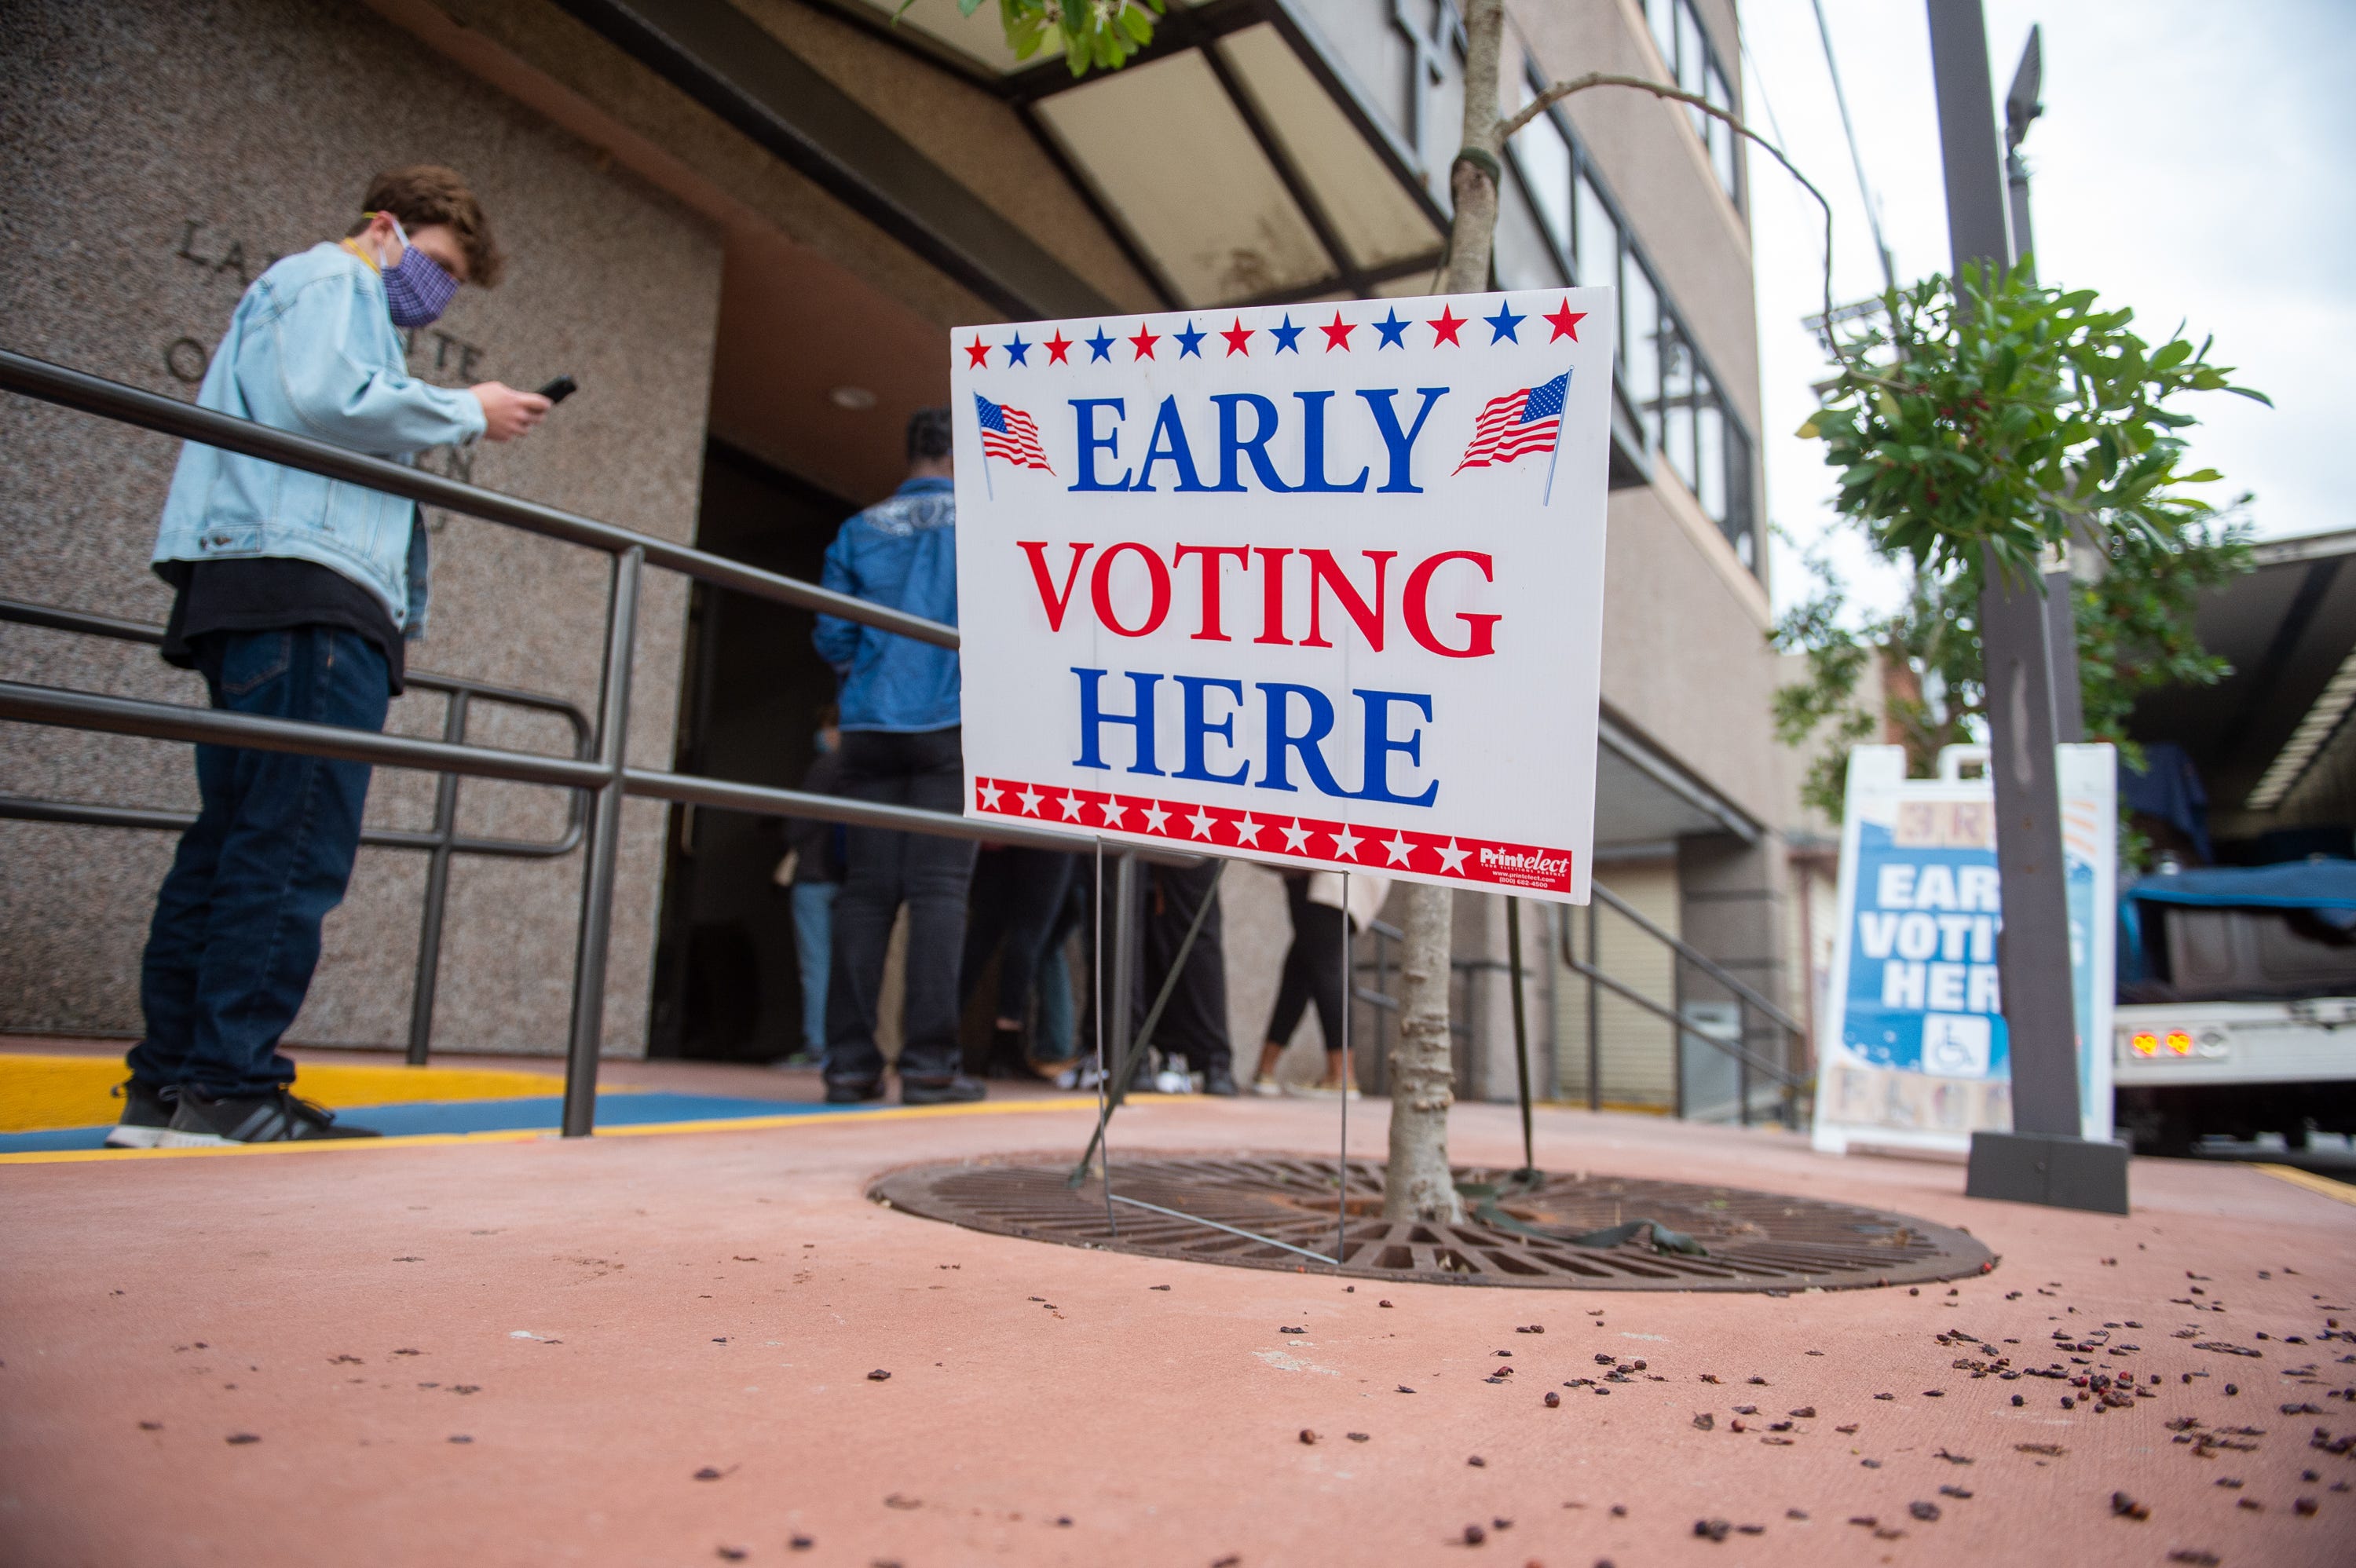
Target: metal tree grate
{"type": "Point", "coordinates": [1755, 1240]}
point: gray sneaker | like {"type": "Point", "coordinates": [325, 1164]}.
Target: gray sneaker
{"type": "Point", "coordinates": [199, 1121]}
{"type": "Point", "coordinates": [146, 1112]}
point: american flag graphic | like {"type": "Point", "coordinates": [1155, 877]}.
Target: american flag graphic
{"type": "Point", "coordinates": [1518, 424]}
{"type": "Point", "coordinates": [1010, 433]}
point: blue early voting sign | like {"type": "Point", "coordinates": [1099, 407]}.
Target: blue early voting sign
{"type": "Point", "coordinates": [1913, 1050]}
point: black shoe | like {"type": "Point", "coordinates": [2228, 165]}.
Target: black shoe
{"type": "Point", "coordinates": [1220, 1079]}
{"type": "Point", "coordinates": [853, 1093]}
{"type": "Point", "coordinates": [145, 1114]}
{"type": "Point", "coordinates": [957, 1090]}
{"type": "Point", "coordinates": [275, 1117]}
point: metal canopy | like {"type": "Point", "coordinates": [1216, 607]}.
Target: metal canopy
{"type": "Point", "coordinates": [1294, 188]}
{"type": "Point", "coordinates": [1301, 184]}
{"type": "Point", "coordinates": [733, 67]}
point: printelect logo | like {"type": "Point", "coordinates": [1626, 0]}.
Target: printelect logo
{"type": "Point", "coordinates": [1514, 860]}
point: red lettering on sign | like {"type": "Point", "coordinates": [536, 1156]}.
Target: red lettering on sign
{"type": "Point", "coordinates": [1415, 611]}
{"type": "Point", "coordinates": [1271, 596]}
{"type": "Point", "coordinates": [1100, 587]}
{"type": "Point", "coordinates": [1054, 603]}
{"type": "Point", "coordinates": [1212, 554]}
{"type": "Point", "coordinates": [1324, 574]}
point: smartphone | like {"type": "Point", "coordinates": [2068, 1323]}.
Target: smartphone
{"type": "Point", "coordinates": [564, 387]}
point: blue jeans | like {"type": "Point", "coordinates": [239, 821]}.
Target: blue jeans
{"type": "Point", "coordinates": [813, 953]}
{"type": "Point", "coordinates": [887, 870]}
{"type": "Point", "coordinates": [1057, 1023]}
{"type": "Point", "coordinates": [236, 933]}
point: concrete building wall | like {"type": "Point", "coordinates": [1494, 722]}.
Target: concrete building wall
{"type": "Point", "coordinates": [160, 154]}
{"type": "Point", "coordinates": [1685, 659]}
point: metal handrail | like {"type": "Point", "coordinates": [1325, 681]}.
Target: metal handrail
{"type": "Point", "coordinates": [605, 774]}
{"type": "Point", "coordinates": [1698, 959]}
{"type": "Point", "coordinates": [440, 845]}
{"type": "Point", "coordinates": [1790, 1082]}
{"type": "Point", "coordinates": [152, 410]}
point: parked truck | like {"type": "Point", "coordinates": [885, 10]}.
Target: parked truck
{"type": "Point", "coordinates": [2237, 1005]}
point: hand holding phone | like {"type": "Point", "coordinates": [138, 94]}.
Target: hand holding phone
{"type": "Point", "coordinates": [564, 387]}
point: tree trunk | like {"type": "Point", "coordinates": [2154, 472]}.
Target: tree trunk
{"type": "Point", "coordinates": [1418, 1185]}
{"type": "Point", "coordinates": [1471, 182]}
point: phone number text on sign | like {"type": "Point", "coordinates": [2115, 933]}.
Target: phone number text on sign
{"type": "Point", "coordinates": [1320, 587]}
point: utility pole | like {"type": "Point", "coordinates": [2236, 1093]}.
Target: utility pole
{"type": "Point", "coordinates": [2021, 106]}
{"type": "Point", "coordinates": [2044, 1160]}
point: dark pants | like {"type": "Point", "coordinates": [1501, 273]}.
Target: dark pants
{"type": "Point", "coordinates": [1018, 895]}
{"type": "Point", "coordinates": [1194, 1023]}
{"type": "Point", "coordinates": [236, 933]}
{"type": "Point", "coordinates": [887, 870]}
{"type": "Point", "coordinates": [1312, 969]}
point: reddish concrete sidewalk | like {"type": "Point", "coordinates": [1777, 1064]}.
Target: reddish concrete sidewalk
{"type": "Point", "coordinates": [657, 1349]}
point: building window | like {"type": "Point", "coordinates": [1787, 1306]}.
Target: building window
{"type": "Point", "coordinates": [1555, 221]}
{"type": "Point", "coordinates": [1694, 66]}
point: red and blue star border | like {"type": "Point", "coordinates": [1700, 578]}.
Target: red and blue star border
{"type": "Point", "coordinates": [1016, 352]}
{"type": "Point", "coordinates": [1278, 834]}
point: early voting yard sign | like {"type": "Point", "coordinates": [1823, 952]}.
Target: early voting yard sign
{"type": "Point", "coordinates": [1320, 586]}
{"type": "Point", "coordinates": [1912, 1050]}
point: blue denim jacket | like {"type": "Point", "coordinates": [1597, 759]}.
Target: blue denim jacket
{"type": "Point", "coordinates": [901, 552]}
{"type": "Point", "coordinates": [312, 349]}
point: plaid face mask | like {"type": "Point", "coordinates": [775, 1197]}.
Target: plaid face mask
{"type": "Point", "coordinates": [416, 287]}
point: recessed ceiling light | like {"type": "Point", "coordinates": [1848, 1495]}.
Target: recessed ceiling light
{"type": "Point", "coordinates": [857, 399]}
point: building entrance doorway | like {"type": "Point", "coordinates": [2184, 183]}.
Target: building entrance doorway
{"type": "Point", "coordinates": [726, 987]}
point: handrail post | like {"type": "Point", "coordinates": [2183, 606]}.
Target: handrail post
{"type": "Point", "coordinates": [1594, 1019]}
{"type": "Point", "coordinates": [1742, 1062]}
{"type": "Point", "coordinates": [600, 850]}
{"type": "Point", "coordinates": [437, 891]}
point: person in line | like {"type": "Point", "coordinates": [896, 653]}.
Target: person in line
{"type": "Point", "coordinates": [812, 868]}
{"type": "Point", "coordinates": [1018, 895]}
{"type": "Point", "coordinates": [1194, 1023]}
{"type": "Point", "coordinates": [1055, 1053]}
{"type": "Point", "coordinates": [902, 743]}
{"type": "Point", "coordinates": [1313, 971]}
{"type": "Point", "coordinates": [297, 596]}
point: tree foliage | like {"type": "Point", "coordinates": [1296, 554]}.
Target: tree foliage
{"type": "Point", "coordinates": [2135, 629]}
{"type": "Point", "coordinates": [1993, 423]}
{"type": "Point", "coordinates": [1100, 34]}
{"type": "Point", "coordinates": [1988, 428]}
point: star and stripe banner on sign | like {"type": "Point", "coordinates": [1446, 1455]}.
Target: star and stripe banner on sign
{"type": "Point", "coordinates": [1209, 829]}
{"type": "Point", "coordinates": [1241, 597]}
{"type": "Point", "coordinates": [1518, 424]}
{"type": "Point", "coordinates": [1010, 434]}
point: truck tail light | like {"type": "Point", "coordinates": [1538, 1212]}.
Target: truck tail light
{"type": "Point", "coordinates": [2179, 1042]}
{"type": "Point", "coordinates": [2144, 1042]}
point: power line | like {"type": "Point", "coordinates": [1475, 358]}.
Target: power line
{"type": "Point", "coordinates": [1857, 160]}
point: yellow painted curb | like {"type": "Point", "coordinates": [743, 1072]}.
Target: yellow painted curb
{"type": "Point", "coordinates": [41, 1093]}
{"type": "Point", "coordinates": [532, 1135]}
{"type": "Point", "coordinates": [2338, 1191]}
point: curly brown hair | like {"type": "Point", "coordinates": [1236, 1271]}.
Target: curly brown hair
{"type": "Point", "coordinates": [424, 194]}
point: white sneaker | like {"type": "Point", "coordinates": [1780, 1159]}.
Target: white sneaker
{"type": "Point", "coordinates": [1318, 1091]}
{"type": "Point", "coordinates": [1173, 1080]}
{"type": "Point", "coordinates": [1266, 1087]}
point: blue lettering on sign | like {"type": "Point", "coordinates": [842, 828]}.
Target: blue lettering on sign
{"type": "Point", "coordinates": [1297, 727]}
{"type": "Point", "coordinates": [1922, 989]}
{"type": "Point", "coordinates": [1084, 413]}
{"type": "Point", "coordinates": [1247, 423]}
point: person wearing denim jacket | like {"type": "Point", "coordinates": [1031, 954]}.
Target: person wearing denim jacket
{"type": "Point", "coordinates": [295, 597]}
{"type": "Point", "coordinates": [901, 744]}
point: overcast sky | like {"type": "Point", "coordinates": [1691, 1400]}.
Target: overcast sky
{"type": "Point", "coordinates": [2196, 161]}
